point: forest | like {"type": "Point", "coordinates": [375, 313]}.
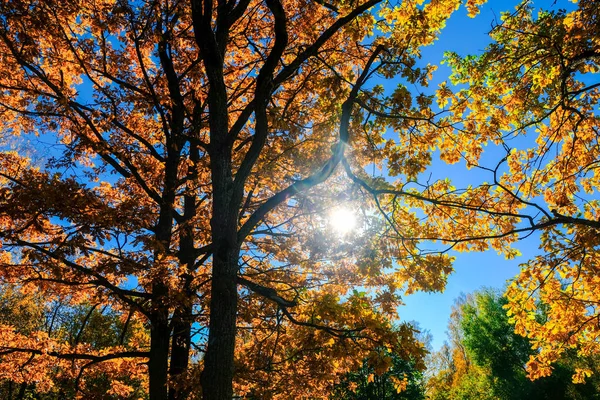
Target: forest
{"type": "Point", "coordinates": [230, 199]}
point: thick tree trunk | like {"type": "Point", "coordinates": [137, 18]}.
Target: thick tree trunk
{"type": "Point", "coordinates": [158, 363]}
{"type": "Point", "coordinates": [180, 351]}
{"type": "Point", "coordinates": [217, 376]}
{"type": "Point", "coordinates": [218, 371]}
{"type": "Point", "coordinates": [159, 347]}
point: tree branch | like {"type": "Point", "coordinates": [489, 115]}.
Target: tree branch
{"type": "Point", "coordinates": [122, 294]}
{"type": "Point", "coordinates": [266, 292]}
{"type": "Point", "coordinates": [325, 172]}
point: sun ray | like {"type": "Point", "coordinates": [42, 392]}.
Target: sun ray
{"type": "Point", "coordinates": [342, 220]}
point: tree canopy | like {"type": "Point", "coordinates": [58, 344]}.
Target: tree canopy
{"type": "Point", "coordinates": [86, 324]}
{"type": "Point", "coordinates": [176, 163]}
{"type": "Point", "coordinates": [534, 93]}
{"type": "Point", "coordinates": [485, 358]}
{"type": "Point", "coordinates": [394, 379]}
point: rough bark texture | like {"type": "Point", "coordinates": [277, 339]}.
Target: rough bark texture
{"type": "Point", "coordinates": [160, 331]}
{"type": "Point", "coordinates": [218, 371]}
{"type": "Point", "coordinates": [159, 353]}
{"type": "Point", "coordinates": [217, 376]}
{"type": "Point", "coordinates": [180, 350]}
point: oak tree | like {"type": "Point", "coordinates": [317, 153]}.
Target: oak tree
{"type": "Point", "coordinates": [532, 98]}
{"type": "Point", "coordinates": [176, 162]}
{"type": "Point", "coordinates": [188, 154]}
{"type": "Point", "coordinates": [31, 314]}
{"type": "Point", "coordinates": [496, 358]}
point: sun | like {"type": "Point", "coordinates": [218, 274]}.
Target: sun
{"type": "Point", "coordinates": [342, 220]}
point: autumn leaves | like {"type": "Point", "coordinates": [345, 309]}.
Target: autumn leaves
{"type": "Point", "coordinates": [196, 140]}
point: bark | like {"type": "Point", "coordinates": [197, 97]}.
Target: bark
{"type": "Point", "coordinates": [160, 331]}
{"type": "Point", "coordinates": [183, 316]}
{"type": "Point", "coordinates": [159, 347]}
{"type": "Point", "coordinates": [180, 351]}
{"type": "Point", "coordinates": [217, 375]}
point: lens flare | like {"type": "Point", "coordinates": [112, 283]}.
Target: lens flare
{"type": "Point", "coordinates": [342, 220]}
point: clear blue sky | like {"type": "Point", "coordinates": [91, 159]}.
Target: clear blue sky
{"type": "Point", "coordinates": [473, 271]}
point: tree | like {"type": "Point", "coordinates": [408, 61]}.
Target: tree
{"type": "Point", "coordinates": [402, 381]}
{"type": "Point", "coordinates": [451, 371]}
{"type": "Point", "coordinates": [196, 148]}
{"type": "Point", "coordinates": [386, 376]}
{"type": "Point", "coordinates": [493, 345]}
{"type": "Point", "coordinates": [187, 155]}
{"type": "Point", "coordinates": [497, 356]}
{"type": "Point", "coordinates": [446, 380]}
{"type": "Point", "coordinates": [533, 96]}
{"type": "Point", "coordinates": [29, 314]}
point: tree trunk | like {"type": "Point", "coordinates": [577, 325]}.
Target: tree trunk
{"type": "Point", "coordinates": [22, 389]}
{"type": "Point", "coordinates": [183, 316]}
{"type": "Point", "coordinates": [217, 375]}
{"type": "Point", "coordinates": [159, 361]}
{"type": "Point", "coordinates": [159, 346]}
{"type": "Point", "coordinates": [180, 351]}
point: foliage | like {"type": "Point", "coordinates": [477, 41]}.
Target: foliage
{"type": "Point", "coordinates": [493, 344]}
{"type": "Point", "coordinates": [533, 96]}
{"type": "Point", "coordinates": [451, 372]}
{"type": "Point", "coordinates": [28, 313]}
{"type": "Point", "coordinates": [383, 376]}
{"type": "Point", "coordinates": [178, 161]}
{"type": "Point", "coordinates": [497, 358]}
{"type": "Point", "coordinates": [176, 165]}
